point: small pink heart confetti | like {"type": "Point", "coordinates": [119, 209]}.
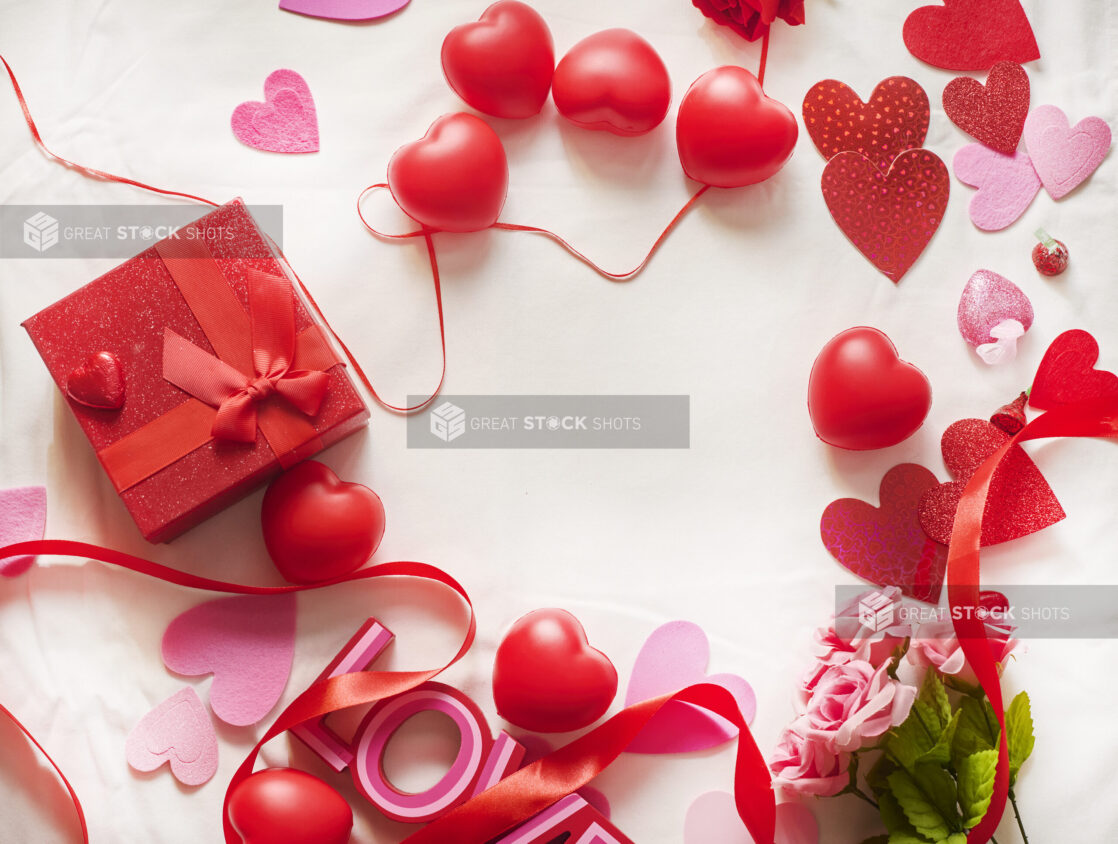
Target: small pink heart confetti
{"type": "Point", "coordinates": [988, 300]}
{"type": "Point", "coordinates": [673, 657]}
{"type": "Point", "coordinates": [285, 122]}
{"type": "Point", "coordinates": [1007, 185]}
{"type": "Point", "coordinates": [178, 731]}
{"type": "Point", "coordinates": [713, 819]}
{"type": "Point", "coordinates": [247, 642]}
{"type": "Point", "coordinates": [1064, 156]}
{"type": "Point", "coordinates": [23, 517]}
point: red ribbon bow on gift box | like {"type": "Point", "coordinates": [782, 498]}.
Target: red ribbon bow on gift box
{"type": "Point", "coordinates": [232, 392]}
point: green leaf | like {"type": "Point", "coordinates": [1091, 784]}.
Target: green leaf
{"type": "Point", "coordinates": [877, 839]}
{"type": "Point", "coordinates": [877, 778]}
{"type": "Point", "coordinates": [900, 830]}
{"type": "Point", "coordinates": [976, 785]}
{"type": "Point", "coordinates": [957, 838]}
{"type": "Point", "coordinates": [978, 730]}
{"type": "Point", "coordinates": [907, 838]}
{"type": "Point", "coordinates": [1019, 734]}
{"type": "Point", "coordinates": [915, 736]}
{"type": "Point", "coordinates": [927, 798]}
{"type": "Point", "coordinates": [940, 752]}
{"type": "Point", "coordinates": [934, 695]}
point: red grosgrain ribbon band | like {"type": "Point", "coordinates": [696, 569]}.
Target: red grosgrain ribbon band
{"type": "Point", "coordinates": [1089, 419]}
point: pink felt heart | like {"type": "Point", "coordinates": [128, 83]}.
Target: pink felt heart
{"type": "Point", "coordinates": [285, 122]}
{"type": "Point", "coordinates": [1006, 184]}
{"type": "Point", "coordinates": [713, 819]}
{"type": "Point", "coordinates": [247, 642]}
{"type": "Point", "coordinates": [177, 731]}
{"type": "Point", "coordinates": [23, 517]}
{"type": "Point", "coordinates": [1064, 156]}
{"type": "Point", "coordinates": [675, 656]}
{"type": "Point", "coordinates": [987, 300]}
{"type": "Point", "coordinates": [344, 10]}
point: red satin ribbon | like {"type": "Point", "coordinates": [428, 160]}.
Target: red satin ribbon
{"type": "Point", "coordinates": [232, 392]}
{"type": "Point", "coordinates": [1089, 419]}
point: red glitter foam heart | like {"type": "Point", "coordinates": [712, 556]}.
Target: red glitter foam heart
{"type": "Point", "coordinates": [993, 113]}
{"type": "Point", "coordinates": [889, 217]}
{"type": "Point", "coordinates": [1066, 374]}
{"type": "Point", "coordinates": [970, 34]}
{"type": "Point", "coordinates": [886, 545]}
{"type": "Point", "coordinates": [98, 382]}
{"type": "Point", "coordinates": [1020, 501]}
{"type": "Point", "coordinates": [895, 118]}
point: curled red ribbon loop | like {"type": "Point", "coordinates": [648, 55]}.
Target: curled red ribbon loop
{"type": "Point", "coordinates": [1089, 419]}
{"type": "Point", "coordinates": [234, 393]}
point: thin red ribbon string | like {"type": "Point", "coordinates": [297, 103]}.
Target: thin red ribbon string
{"type": "Point", "coordinates": [1089, 419]}
{"type": "Point", "coordinates": [764, 59]}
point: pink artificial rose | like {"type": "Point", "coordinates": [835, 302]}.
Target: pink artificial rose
{"type": "Point", "coordinates": [935, 645]}
{"type": "Point", "coordinates": [751, 18]}
{"type": "Point", "coordinates": [853, 703]}
{"type": "Point", "coordinates": [807, 765]}
{"type": "Point", "coordinates": [847, 638]}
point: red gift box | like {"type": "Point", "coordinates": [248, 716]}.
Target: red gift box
{"type": "Point", "coordinates": [227, 377]}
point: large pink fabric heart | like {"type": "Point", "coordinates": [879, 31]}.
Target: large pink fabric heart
{"type": "Point", "coordinates": [285, 122]}
{"type": "Point", "coordinates": [713, 819]}
{"type": "Point", "coordinates": [247, 642]}
{"type": "Point", "coordinates": [675, 656]}
{"type": "Point", "coordinates": [178, 731]}
{"type": "Point", "coordinates": [1006, 184]}
{"type": "Point", "coordinates": [23, 517]}
{"type": "Point", "coordinates": [1064, 156]}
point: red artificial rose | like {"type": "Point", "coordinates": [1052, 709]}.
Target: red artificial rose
{"type": "Point", "coordinates": [751, 18]}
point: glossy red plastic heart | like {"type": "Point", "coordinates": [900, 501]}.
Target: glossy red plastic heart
{"type": "Point", "coordinates": [547, 678]}
{"type": "Point", "coordinates": [286, 806]}
{"type": "Point", "coordinates": [98, 382]}
{"type": "Point", "coordinates": [454, 178]}
{"type": "Point", "coordinates": [501, 64]}
{"type": "Point", "coordinates": [615, 81]}
{"type": "Point", "coordinates": [317, 527]}
{"type": "Point", "coordinates": [862, 396]}
{"type": "Point", "coordinates": [729, 134]}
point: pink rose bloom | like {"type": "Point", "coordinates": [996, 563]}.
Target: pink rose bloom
{"type": "Point", "coordinates": [804, 765]}
{"type": "Point", "coordinates": [854, 703]}
{"type": "Point", "coordinates": [848, 639]}
{"type": "Point", "coordinates": [935, 645]}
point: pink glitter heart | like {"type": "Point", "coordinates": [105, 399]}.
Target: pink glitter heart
{"type": "Point", "coordinates": [1064, 156]}
{"type": "Point", "coordinates": [1007, 185]}
{"type": "Point", "coordinates": [987, 300]}
{"type": "Point", "coordinates": [285, 122]}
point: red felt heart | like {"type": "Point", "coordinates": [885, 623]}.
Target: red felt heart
{"type": "Point", "coordinates": [993, 113]}
{"type": "Point", "coordinates": [1020, 501]}
{"type": "Point", "coordinates": [729, 134]}
{"type": "Point", "coordinates": [613, 80]}
{"type": "Point", "coordinates": [286, 806]}
{"type": "Point", "coordinates": [547, 678]}
{"type": "Point", "coordinates": [1066, 374]}
{"type": "Point", "coordinates": [98, 382]}
{"type": "Point", "coordinates": [454, 178]}
{"type": "Point", "coordinates": [503, 63]}
{"type": "Point", "coordinates": [862, 396]}
{"type": "Point", "coordinates": [886, 545]}
{"type": "Point", "coordinates": [316, 527]}
{"type": "Point", "coordinates": [895, 118]}
{"type": "Point", "coordinates": [889, 217]}
{"type": "Point", "coordinates": [971, 34]}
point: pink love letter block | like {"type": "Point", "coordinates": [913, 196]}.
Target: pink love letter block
{"type": "Point", "coordinates": [713, 819]}
{"type": "Point", "coordinates": [675, 656]}
{"type": "Point", "coordinates": [285, 122]}
{"type": "Point", "coordinates": [1006, 184]}
{"type": "Point", "coordinates": [23, 517]}
{"type": "Point", "coordinates": [247, 642]}
{"type": "Point", "coordinates": [178, 731]}
{"type": "Point", "coordinates": [1064, 155]}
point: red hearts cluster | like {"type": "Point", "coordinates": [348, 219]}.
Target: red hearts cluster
{"type": "Point", "coordinates": [729, 134]}
{"type": "Point", "coordinates": [886, 194]}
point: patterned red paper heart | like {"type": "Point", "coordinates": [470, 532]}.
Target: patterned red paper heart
{"type": "Point", "coordinates": [971, 34]}
{"type": "Point", "coordinates": [1066, 374]}
{"type": "Point", "coordinates": [1020, 501]}
{"type": "Point", "coordinates": [895, 118]}
{"type": "Point", "coordinates": [889, 217]}
{"type": "Point", "coordinates": [98, 382]}
{"type": "Point", "coordinates": [886, 545]}
{"type": "Point", "coordinates": [993, 113]}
